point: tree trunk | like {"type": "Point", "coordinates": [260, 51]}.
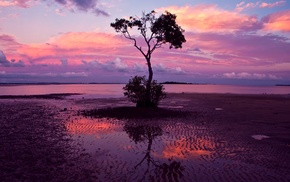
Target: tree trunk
{"type": "Point", "coordinates": [148, 102]}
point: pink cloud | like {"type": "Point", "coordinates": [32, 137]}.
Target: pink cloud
{"type": "Point", "coordinates": [212, 53]}
{"type": "Point", "coordinates": [271, 5]}
{"type": "Point", "coordinates": [6, 63]}
{"type": "Point", "coordinates": [246, 75]}
{"type": "Point", "coordinates": [243, 6]}
{"type": "Point", "coordinates": [85, 50]}
{"type": "Point", "coordinates": [279, 21]}
{"type": "Point", "coordinates": [10, 46]}
{"type": "Point", "coordinates": [19, 3]}
{"type": "Point", "coordinates": [7, 41]}
{"type": "Point", "coordinates": [110, 65]}
{"type": "Point", "coordinates": [6, 3]}
{"type": "Point", "coordinates": [83, 5]}
{"type": "Point", "coordinates": [59, 12]}
{"type": "Point", "coordinates": [240, 49]}
{"type": "Point", "coordinates": [212, 18]}
{"type": "Point", "coordinates": [80, 5]}
{"type": "Point", "coordinates": [111, 52]}
{"type": "Point", "coordinates": [73, 40]}
{"type": "Point", "coordinates": [76, 46]}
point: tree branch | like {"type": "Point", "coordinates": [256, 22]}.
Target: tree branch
{"type": "Point", "coordinates": [157, 45]}
{"type": "Point", "coordinates": [128, 36]}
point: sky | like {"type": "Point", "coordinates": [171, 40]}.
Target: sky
{"type": "Point", "coordinates": [71, 41]}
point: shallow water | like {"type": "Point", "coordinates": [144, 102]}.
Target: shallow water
{"type": "Point", "coordinates": [115, 90]}
{"type": "Point", "coordinates": [166, 150]}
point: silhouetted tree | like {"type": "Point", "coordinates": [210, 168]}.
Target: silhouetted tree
{"type": "Point", "coordinates": [155, 32]}
{"type": "Point", "coordinates": [135, 90]}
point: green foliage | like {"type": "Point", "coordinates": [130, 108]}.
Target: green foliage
{"type": "Point", "coordinates": [135, 90]}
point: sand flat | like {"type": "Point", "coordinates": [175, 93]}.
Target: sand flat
{"type": "Point", "coordinates": [46, 140]}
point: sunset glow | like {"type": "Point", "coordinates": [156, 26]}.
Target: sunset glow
{"type": "Point", "coordinates": [240, 42]}
{"type": "Point", "coordinates": [90, 127]}
{"type": "Point", "coordinates": [181, 151]}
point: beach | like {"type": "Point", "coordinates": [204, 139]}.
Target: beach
{"type": "Point", "coordinates": [221, 137]}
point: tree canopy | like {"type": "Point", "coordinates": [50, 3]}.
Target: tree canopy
{"type": "Point", "coordinates": [163, 29]}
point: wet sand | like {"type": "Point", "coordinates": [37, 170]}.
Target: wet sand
{"type": "Point", "coordinates": [225, 138]}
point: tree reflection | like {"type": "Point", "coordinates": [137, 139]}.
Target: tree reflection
{"type": "Point", "coordinates": [160, 171]}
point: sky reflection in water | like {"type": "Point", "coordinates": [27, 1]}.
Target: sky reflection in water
{"type": "Point", "coordinates": [139, 150]}
{"type": "Point", "coordinates": [180, 149]}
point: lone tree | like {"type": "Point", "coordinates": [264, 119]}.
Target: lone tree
{"type": "Point", "coordinates": [155, 32]}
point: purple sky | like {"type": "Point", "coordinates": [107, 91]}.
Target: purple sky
{"type": "Point", "coordinates": [236, 42]}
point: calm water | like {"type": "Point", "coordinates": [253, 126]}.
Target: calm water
{"type": "Point", "coordinates": [115, 90]}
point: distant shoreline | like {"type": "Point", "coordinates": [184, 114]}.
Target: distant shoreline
{"type": "Point", "coordinates": [184, 83]}
{"type": "Point", "coordinates": [282, 85]}
{"type": "Point", "coordinates": [164, 83]}
{"type": "Point", "coordinates": [52, 83]}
